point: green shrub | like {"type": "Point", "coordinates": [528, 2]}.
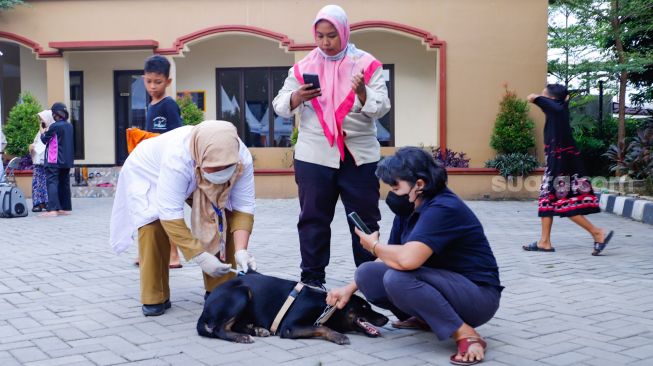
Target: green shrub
{"type": "Point", "coordinates": [294, 136]}
{"type": "Point", "coordinates": [636, 159]}
{"type": "Point", "coordinates": [513, 165]}
{"type": "Point", "coordinates": [22, 125]}
{"type": "Point", "coordinates": [513, 129]}
{"type": "Point", "coordinates": [190, 113]}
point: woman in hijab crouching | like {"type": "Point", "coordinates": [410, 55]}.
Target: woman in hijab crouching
{"type": "Point", "coordinates": [206, 164]}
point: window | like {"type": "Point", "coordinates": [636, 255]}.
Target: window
{"type": "Point", "coordinates": [245, 98]}
{"type": "Point", "coordinates": [77, 111]}
{"type": "Point", "coordinates": [385, 127]}
{"type": "Point", "coordinates": [9, 78]}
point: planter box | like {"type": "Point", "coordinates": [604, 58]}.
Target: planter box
{"type": "Point", "coordinates": [24, 181]}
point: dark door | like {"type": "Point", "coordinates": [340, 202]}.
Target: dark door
{"type": "Point", "coordinates": [130, 106]}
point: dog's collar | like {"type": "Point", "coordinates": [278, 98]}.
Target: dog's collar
{"type": "Point", "coordinates": [286, 306]}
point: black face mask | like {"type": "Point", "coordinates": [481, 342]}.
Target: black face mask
{"type": "Point", "coordinates": [400, 205]}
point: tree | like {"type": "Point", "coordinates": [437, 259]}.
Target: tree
{"type": "Point", "coordinates": [570, 48]}
{"type": "Point", "coordinates": [610, 23]}
{"type": "Point", "coordinates": [9, 4]}
{"type": "Point", "coordinates": [641, 41]}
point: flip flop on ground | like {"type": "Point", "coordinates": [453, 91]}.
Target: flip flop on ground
{"type": "Point", "coordinates": [463, 347]}
{"type": "Point", "coordinates": [598, 247]}
{"type": "Point", "coordinates": [532, 247]}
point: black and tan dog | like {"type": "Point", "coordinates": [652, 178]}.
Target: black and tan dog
{"type": "Point", "coordinates": [247, 306]}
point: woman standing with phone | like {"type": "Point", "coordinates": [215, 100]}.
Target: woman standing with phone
{"type": "Point", "coordinates": [337, 150]}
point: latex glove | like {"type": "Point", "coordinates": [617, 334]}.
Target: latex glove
{"type": "Point", "coordinates": [211, 265]}
{"type": "Point", "coordinates": [245, 260]}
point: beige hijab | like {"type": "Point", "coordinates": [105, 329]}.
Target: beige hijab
{"type": "Point", "coordinates": [46, 116]}
{"type": "Point", "coordinates": [212, 144]}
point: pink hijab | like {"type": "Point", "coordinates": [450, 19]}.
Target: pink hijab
{"type": "Point", "coordinates": [335, 73]}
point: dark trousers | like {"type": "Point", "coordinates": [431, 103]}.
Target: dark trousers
{"type": "Point", "coordinates": [58, 181]}
{"type": "Point", "coordinates": [319, 189]}
{"type": "Point", "coordinates": [443, 299]}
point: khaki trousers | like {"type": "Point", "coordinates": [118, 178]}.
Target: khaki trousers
{"type": "Point", "coordinates": [154, 258]}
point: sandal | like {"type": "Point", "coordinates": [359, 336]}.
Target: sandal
{"type": "Point", "coordinates": [463, 346]}
{"type": "Point", "coordinates": [37, 209]}
{"type": "Point", "coordinates": [532, 247]}
{"type": "Point", "coordinates": [598, 247]}
{"type": "Point", "coordinates": [411, 323]}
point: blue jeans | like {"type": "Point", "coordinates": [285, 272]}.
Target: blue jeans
{"type": "Point", "coordinates": [443, 299]}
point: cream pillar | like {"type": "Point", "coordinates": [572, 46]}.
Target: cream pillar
{"type": "Point", "coordinates": [172, 89]}
{"type": "Point", "coordinates": [58, 80]}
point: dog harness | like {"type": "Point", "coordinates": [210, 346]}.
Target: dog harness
{"type": "Point", "coordinates": [286, 306]}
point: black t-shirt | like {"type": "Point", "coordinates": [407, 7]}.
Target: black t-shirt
{"type": "Point", "coordinates": [455, 235]}
{"type": "Point", "coordinates": [163, 116]}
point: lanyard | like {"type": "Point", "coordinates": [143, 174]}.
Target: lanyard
{"type": "Point", "coordinates": [219, 213]}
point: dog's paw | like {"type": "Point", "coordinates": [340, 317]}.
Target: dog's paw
{"type": "Point", "coordinates": [243, 338]}
{"type": "Point", "coordinates": [261, 332]}
{"type": "Point", "coordinates": [340, 339]}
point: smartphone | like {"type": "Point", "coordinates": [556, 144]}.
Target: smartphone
{"type": "Point", "coordinates": [359, 223]}
{"type": "Point", "coordinates": [312, 79]}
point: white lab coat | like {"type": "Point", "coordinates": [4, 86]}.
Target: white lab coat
{"type": "Point", "coordinates": [158, 177]}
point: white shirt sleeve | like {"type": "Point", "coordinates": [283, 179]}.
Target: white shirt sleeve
{"type": "Point", "coordinates": [172, 187]}
{"type": "Point", "coordinates": [377, 103]}
{"type": "Point", "coordinates": [242, 196]}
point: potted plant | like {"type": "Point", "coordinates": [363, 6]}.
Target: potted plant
{"type": "Point", "coordinates": [513, 138]}
{"type": "Point", "coordinates": [190, 113]}
{"type": "Point", "coordinates": [21, 127]}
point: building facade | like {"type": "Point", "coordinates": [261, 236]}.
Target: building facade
{"type": "Point", "coordinates": [445, 62]}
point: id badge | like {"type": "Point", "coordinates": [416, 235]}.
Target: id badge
{"type": "Point", "coordinates": [223, 248]}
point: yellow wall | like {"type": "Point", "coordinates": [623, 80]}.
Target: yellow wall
{"type": "Point", "coordinates": [99, 116]}
{"type": "Point", "coordinates": [415, 107]}
{"type": "Point", "coordinates": [32, 76]}
{"type": "Point", "coordinates": [196, 71]}
{"type": "Point", "coordinates": [489, 43]}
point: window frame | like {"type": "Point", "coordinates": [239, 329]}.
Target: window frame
{"type": "Point", "coordinates": [79, 148]}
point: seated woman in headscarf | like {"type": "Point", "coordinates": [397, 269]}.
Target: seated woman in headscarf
{"type": "Point", "coordinates": [437, 270]}
{"type": "Point", "coordinates": [207, 164]}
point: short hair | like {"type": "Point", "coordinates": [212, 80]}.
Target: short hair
{"type": "Point", "coordinates": [157, 64]}
{"type": "Point", "coordinates": [557, 91]}
{"type": "Point", "coordinates": [410, 164]}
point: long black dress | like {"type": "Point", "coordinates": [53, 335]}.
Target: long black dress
{"type": "Point", "coordinates": [565, 190]}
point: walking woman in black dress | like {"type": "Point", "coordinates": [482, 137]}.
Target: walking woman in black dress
{"type": "Point", "coordinates": [565, 190]}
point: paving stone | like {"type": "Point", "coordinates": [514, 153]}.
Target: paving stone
{"type": "Point", "coordinates": [80, 306]}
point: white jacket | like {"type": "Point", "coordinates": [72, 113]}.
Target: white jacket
{"type": "Point", "coordinates": [38, 154]}
{"type": "Point", "coordinates": [158, 177]}
{"type": "Point", "coordinates": [359, 126]}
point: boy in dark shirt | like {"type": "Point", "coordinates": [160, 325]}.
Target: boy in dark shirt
{"type": "Point", "coordinates": [163, 113]}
